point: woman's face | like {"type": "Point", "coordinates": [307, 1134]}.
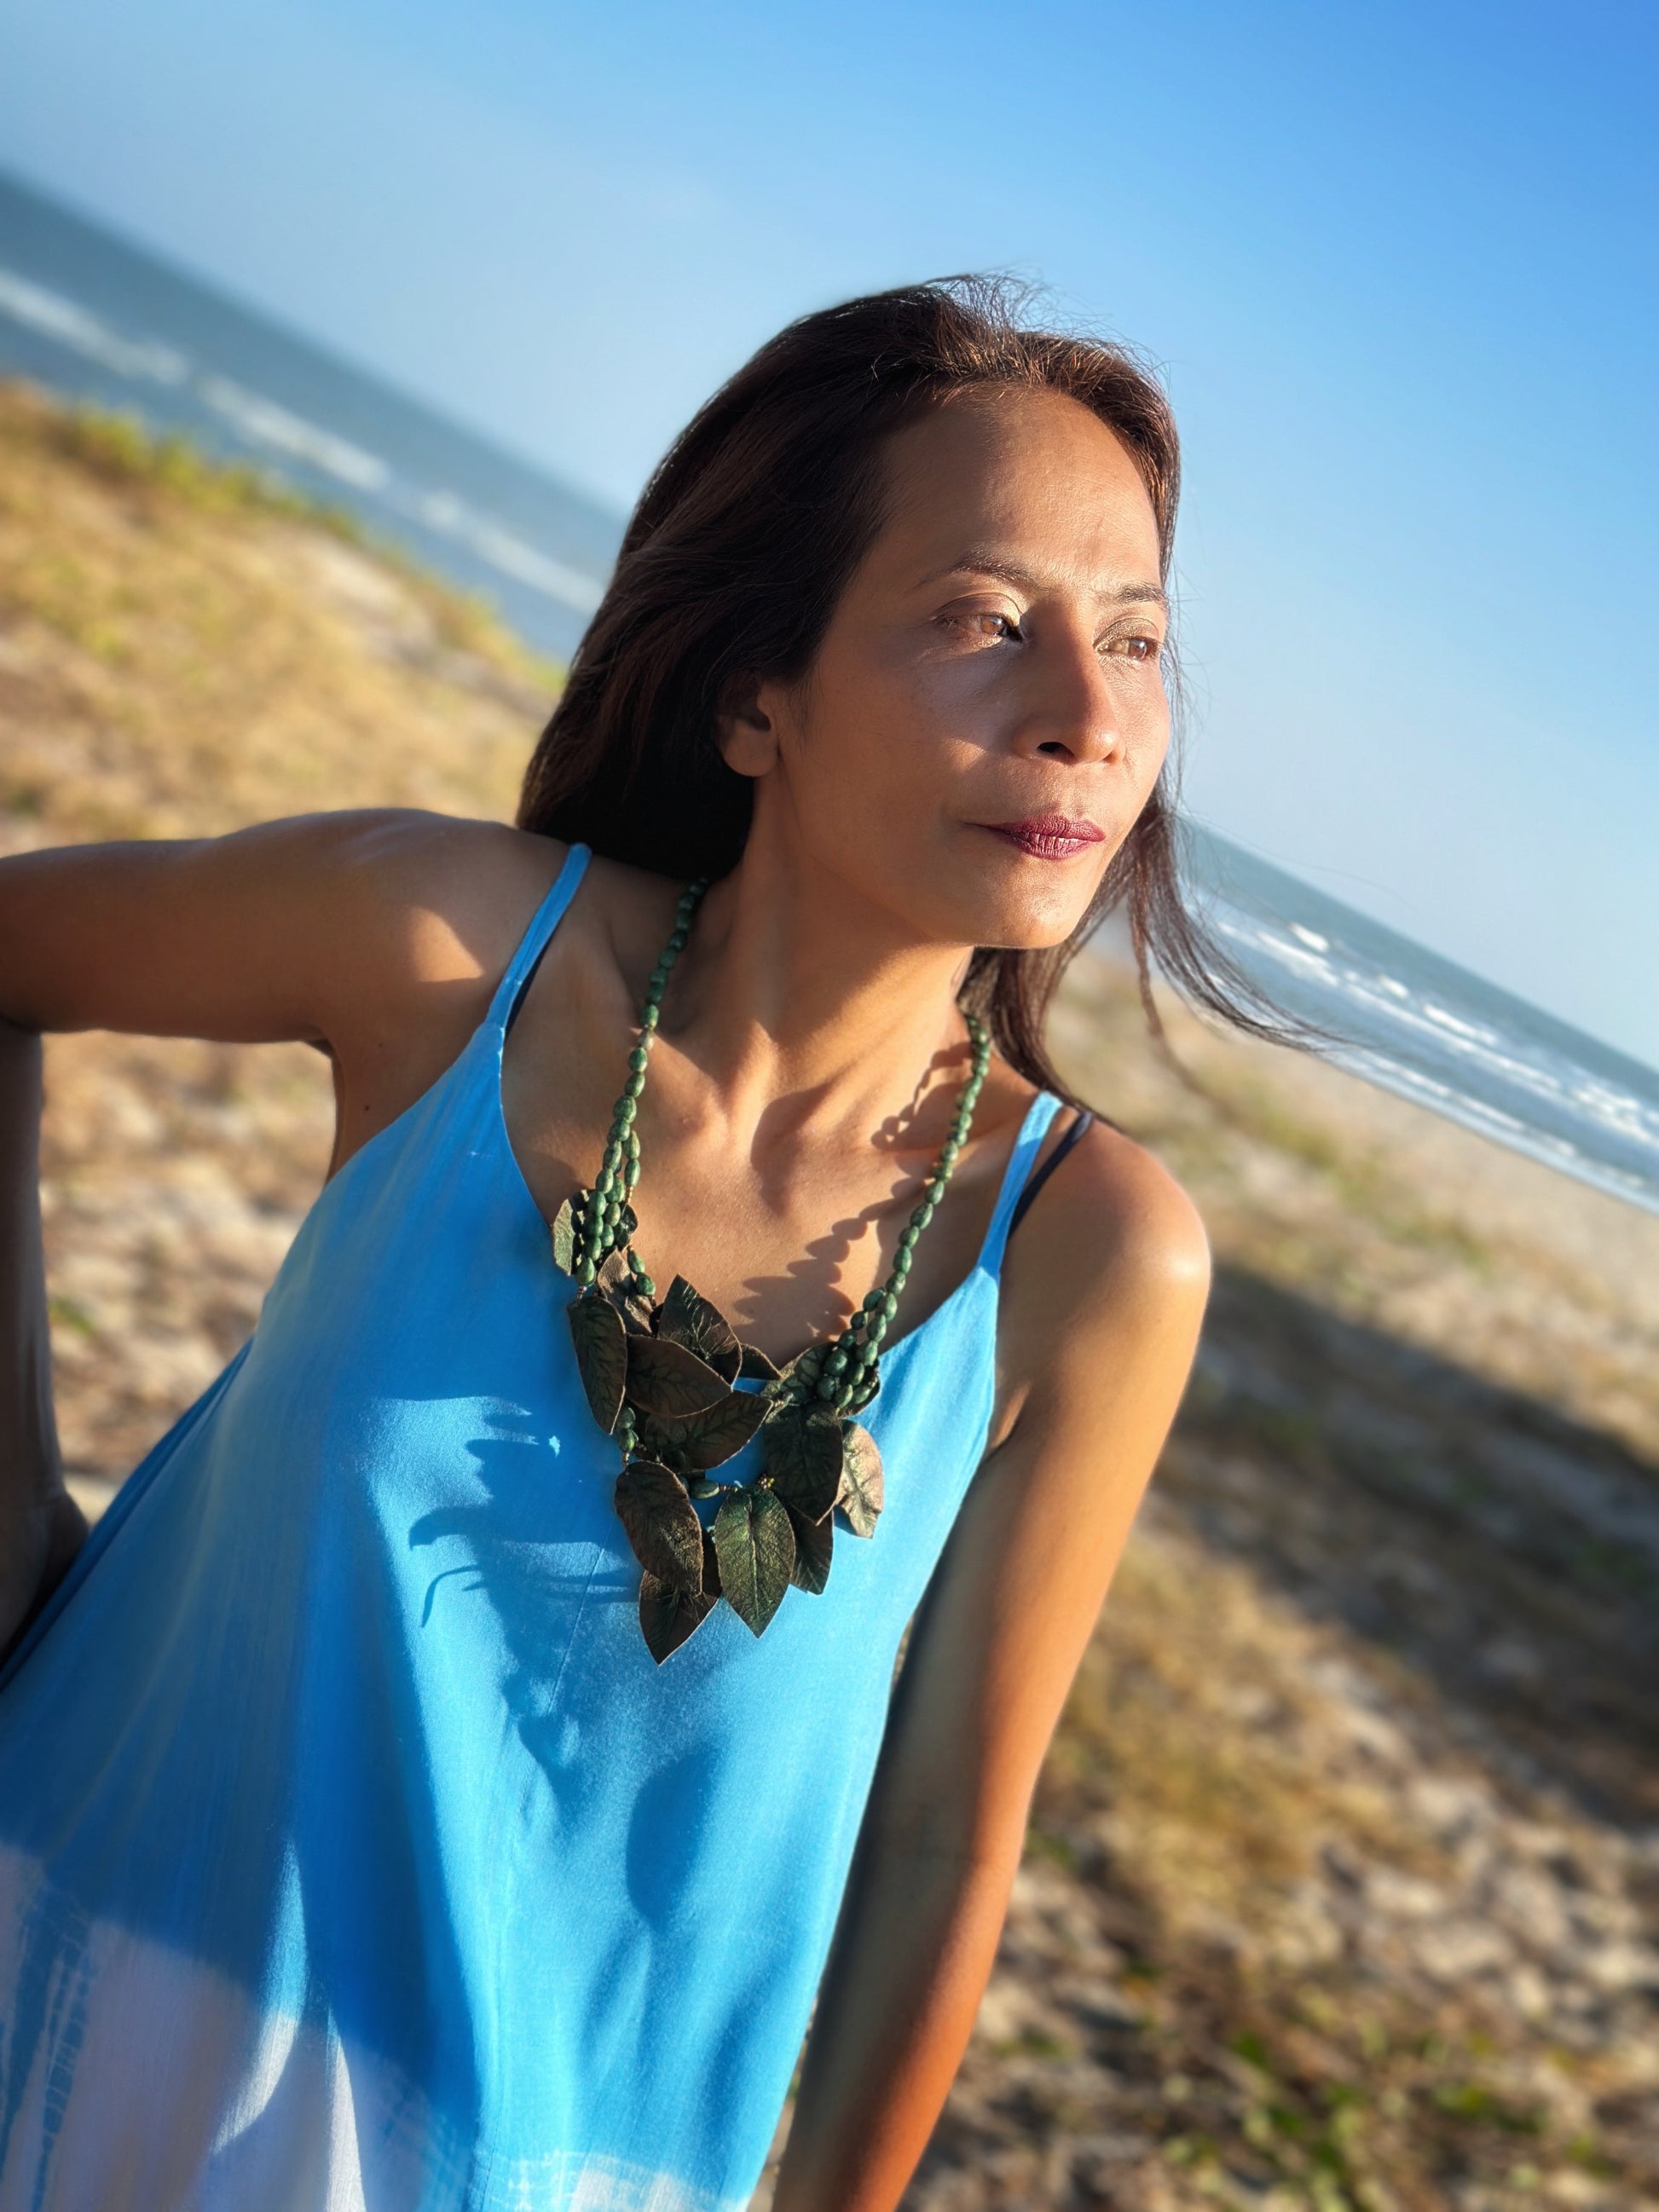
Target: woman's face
{"type": "Point", "coordinates": [995, 659]}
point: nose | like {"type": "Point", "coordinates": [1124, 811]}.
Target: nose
{"type": "Point", "coordinates": [1071, 707]}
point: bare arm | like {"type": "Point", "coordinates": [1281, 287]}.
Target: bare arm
{"type": "Point", "coordinates": [1118, 1283]}
{"type": "Point", "coordinates": [376, 935]}
{"type": "Point", "coordinates": [41, 1528]}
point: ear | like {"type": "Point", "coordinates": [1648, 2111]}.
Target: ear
{"type": "Point", "coordinates": [745, 734]}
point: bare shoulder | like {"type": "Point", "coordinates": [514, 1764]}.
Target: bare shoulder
{"type": "Point", "coordinates": [445, 899]}
{"type": "Point", "coordinates": [1111, 1266]}
{"type": "Point", "coordinates": [282, 929]}
{"type": "Point", "coordinates": [1110, 1223]}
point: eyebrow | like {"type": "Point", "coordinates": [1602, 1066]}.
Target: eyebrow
{"type": "Point", "coordinates": [1025, 580]}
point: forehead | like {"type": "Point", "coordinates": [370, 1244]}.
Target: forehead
{"type": "Point", "coordinates": [1033, 473]}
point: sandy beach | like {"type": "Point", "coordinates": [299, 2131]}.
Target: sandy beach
{"type": "Point", "coordinates": [1343, 1878]}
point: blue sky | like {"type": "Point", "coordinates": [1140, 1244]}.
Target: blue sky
{"type": "Point", "coordinates": [1396, 263]}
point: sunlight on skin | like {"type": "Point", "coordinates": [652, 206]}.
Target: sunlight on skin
{"type": "Point", "coordinates": [995, 656]}
{"type": "Point", "coordinates": [946, 694]}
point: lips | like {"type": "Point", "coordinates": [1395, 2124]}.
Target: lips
{"type": "Point", "coordinates": [1047, 836]}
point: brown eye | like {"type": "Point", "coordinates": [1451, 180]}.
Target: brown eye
{"type": "Point", "coordinates": [977, 620]}
{"type": "Point", "coordinates": [1141, 649]}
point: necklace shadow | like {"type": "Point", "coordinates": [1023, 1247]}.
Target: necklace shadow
{"type": "Point", "coordinates": [809, 1289]}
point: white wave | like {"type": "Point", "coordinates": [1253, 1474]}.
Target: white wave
{"type": "Point", "coordinates": [267, 424]}
{"type": "Point", "coordinates": [1461, 1062]}
{"type": "Point", "coordinates": [1281, 949]}
{"type": "Point", "coordinates": [1479, 1031]}
{"type": "Point", "coordinates": [263, 421]}
{"type": "Point", "coordinates": [55, 317]}
{"type": "Point", "coordinates": [442, 512]}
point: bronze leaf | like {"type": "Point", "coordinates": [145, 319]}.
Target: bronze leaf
{"type": "Point", "coordinates": [601, 1342]}
{"type": "Point", "coordinates": [668, 1615]}
{"type": "Point", "coordinates": [862, 1491]}
{"type": "Point", "coordinates": [814, 1542]}
{"type": "Point", "coordinates": [754, 1366]}
{"type": "Point", "coordinates": [804, 1456]}
{"type": "Point", "coordinates": [615, 1279]}
{"type": "Point", "coordinates": [686, 1317]}
{"type": "Point", "coordinates": [662, 1523]}
{"type": "Point", "coordinates": [668, 1381]}
{"type": "Point", "coordinates": [804, 1369]}
{"type": "Point", "coordinates": [704, 1440]}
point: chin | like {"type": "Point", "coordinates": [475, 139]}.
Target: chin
{"type": "Point", "coordinates": [1009, 925]}
{"type": "Point", "coordinates": [1018, 916]}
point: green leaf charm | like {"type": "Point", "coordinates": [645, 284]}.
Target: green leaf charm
{"type": "Point", "coordinates": [755, 1545]}
{"type": "Point", "coordinates": [754, 1366]}
{"type": "Point", "coordinates": [668, 1381]}
{"type": "Point", "coordinates": [662, 1523]}
{"type": "Point", "coordinates": [686, 1317]}
{"type": "Point", "coordinates": [601, 1342]}
{"type": "Point", "coordinates": [668, 1615]}
{"type": "Point", "coordinates": [804, 1457]}
{"type": "Point", "coordinates": [704, 1439]}
{"type": "Point", "coordinates": [861, 1493]}
{"type": "Point", "coordinates": [565, 1227]}
{"type": "Point", "coordinates": [814, 1542]}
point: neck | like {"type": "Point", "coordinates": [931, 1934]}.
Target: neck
{"type": "Point", "coordinates": [800, 1001]}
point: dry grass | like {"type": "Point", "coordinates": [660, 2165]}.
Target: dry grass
{"type": "Point", "coordinates": [1341, 1882]}
{"type": "Point", "coordinates": [183, 650]}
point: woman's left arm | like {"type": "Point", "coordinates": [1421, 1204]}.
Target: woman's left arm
{"type": "Point", "coordinates": [1101, 1316]}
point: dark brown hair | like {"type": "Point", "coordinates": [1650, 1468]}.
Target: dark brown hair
{"type": "Point", "coordinates": [732, 563]}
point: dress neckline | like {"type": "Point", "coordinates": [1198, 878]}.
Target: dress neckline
{"type": "Point", "coordinates": [509, 997]}
{"type": "Point", "coordinates": [526, 1198]}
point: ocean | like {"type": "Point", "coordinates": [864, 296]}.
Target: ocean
{"type": "Point", "coordinates": [88, 316]}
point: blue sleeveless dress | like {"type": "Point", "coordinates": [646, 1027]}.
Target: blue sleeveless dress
{"type": "Point", "coordinates": [354, 1852]}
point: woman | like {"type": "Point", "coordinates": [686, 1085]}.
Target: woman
{"type": "Point", "coordinates": [438, 1779]}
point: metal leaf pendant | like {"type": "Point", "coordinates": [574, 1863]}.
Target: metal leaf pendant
{"type": "Point", "coordinates": [662, 1523]}
{"type": "Point", "coordinates": [686, 1317]}
{"type": "Point", "coordinates": [861, 1492]}
{"type": "Point", "coordinates": [704, 1440]}
{"type": "Point", "coordinates": [663, 1374]}
{"type": "Point", "coordinates": [601, 1342]}
{"type": "Point", "coordinates": [754, 1544]}
{"type": "Point", "coordinates": [815, 1541]}
{"type": "Point", "coordinates": [666, 1381]}
{"type": "Point", "coordinates": [803, 1457]}
{"type": "Point", "coordinates": [668, 1615]}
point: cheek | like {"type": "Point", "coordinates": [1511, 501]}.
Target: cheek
{"type": "Point", "coordinates": [887, 730]}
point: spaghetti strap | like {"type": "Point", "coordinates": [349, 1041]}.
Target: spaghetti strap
{"type": "Point", "coordinates": [1080, 1122]}
{"type": "Point", "coordinates": [510, 989]}
{"type": "Point", "coordinates": [1027, 1144]}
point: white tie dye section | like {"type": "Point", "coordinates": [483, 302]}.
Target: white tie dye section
{"type": "Point", "coordinates": [146, 2082]}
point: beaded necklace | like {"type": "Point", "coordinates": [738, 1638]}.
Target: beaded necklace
{"type": "Point", "coordinates": [659, 1376]}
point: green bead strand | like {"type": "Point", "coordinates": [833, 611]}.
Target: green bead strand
{"type": "Point", "coordinates": [879, 1307]}
{"type": "Point", "coordinates": [848, 1371]}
